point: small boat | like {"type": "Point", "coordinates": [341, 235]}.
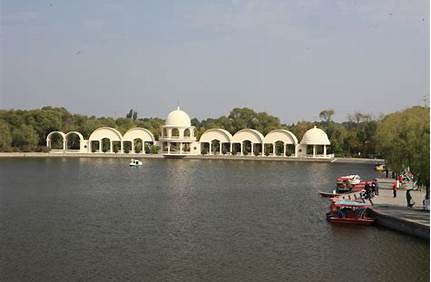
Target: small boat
{"type": "Point", "coordinates": [351, 179]}
{"type": "Point", "coordinates": [348, 212]}
{"type": "Point", "coordinates": [135, 163]}
{"type": "Point", "coordinates": [328, 195]}
{"type": "Point", "coordinates": [351, 183]}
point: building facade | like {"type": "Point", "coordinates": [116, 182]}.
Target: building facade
{"type": "Point", "coordinates": [178, 138]}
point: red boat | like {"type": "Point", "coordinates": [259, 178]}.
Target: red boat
{"type": "Point", "coordinates": [348, 212]}
{"type": "Point", "coordinates": [351, 183]}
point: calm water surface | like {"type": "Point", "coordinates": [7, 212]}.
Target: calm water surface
{"type": "Point", "coordinates": [188, 220]}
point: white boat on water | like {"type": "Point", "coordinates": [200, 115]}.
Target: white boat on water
{"type": "Point", "coordinates": [351, 179]}
{"type": "Point", "coordinates": [135, 163]}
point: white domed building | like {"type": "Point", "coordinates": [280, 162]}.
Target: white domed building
{"type": "Point", "coordinates": [314, 144]}
{"type": "Point", "coordinates": [178, 135]}
{"type": "Point", "coordinates": [177, 139]}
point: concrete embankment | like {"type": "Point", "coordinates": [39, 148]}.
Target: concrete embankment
{"type": "Point", "coordinates": [392, 212]}
{"type": "Point", "coordinates": [407, 226]}
{"type": "Point", "coordinates": [197, 157]}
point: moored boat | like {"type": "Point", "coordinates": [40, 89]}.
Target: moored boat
{"type": "Point", "coordinates": [352, 179]}
{"type": "Point", "coordinates": [351, 183]}
{"type": "Point", "coordinates": [348, 212]}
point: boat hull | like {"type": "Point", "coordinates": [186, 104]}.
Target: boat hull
{"type": "Point", "coordinates": [354, 221]}
{"type": "Point", "coordinates": [349, 220]}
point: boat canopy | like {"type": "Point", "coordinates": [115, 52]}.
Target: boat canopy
{"type": "Point", "coordinates": [350, 203]}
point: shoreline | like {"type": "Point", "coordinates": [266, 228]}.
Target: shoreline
{"type": "Point", "coordinates": [192, 157]}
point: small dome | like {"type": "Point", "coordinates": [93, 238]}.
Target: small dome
{"type": "Point", "coordinates": [178, 118]}
{"type": "Point", "coordinates": [315, 136]}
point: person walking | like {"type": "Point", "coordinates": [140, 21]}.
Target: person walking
{"type": "Point", "coordinates": [395, 187]}
{"type": "Point", "coordinates": [409, 198]}
{"type": "Point", "coordinates": [368, 193]}
{"type": "Point", "coordinates": [375, 187]}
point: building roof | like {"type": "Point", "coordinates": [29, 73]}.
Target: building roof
{"type": "Point", "coordinates": [281, 135]}
{"type": "Point", "coordinates": [219, 134]}
{"type": "Point", "coordinates": [178, 118]}
{"type": "Point", "coordinates": [315, 136]}
{"type": "Point", "coordinates": [248, 134]}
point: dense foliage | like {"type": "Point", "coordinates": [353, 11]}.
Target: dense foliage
{"type": "Point", "coordinates": [403, 140]}
{"type": "Point", "coordinates": [27, 130]}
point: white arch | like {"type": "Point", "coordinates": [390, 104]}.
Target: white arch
{"type": "Point", "coordinates": [283, 135]}
{"type": "Point", "coordinates": [105, 132]}
{"type": "Point", "coordinates": [216, 134]}
{"type": "Point", "coordinates": [248, 134]}
{"type": "Point", "coordinates": [81, 138]}
{"type": "Point", "coordinates": [48, 138]}
{"type": "Point", "coordinates": [139, 132]}
{"type": "Point", "coordinates": [75, 132]}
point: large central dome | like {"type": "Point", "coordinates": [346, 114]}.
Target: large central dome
{"type": "Point", "coordinates": [178, 118]}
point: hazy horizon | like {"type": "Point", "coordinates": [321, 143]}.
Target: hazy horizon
{"type": "Point", "coordinates": [290, 59]}
{"type": "Point", "coordinates": [142, 116]}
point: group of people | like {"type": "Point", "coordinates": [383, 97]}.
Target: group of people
{"type": "Point", "coordinates": [371, 190]}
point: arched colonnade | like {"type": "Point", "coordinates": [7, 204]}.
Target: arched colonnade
{"type": "Point", "coordinates": [102, 140]}
{"type": "Point", "coordinates": [279, 142]}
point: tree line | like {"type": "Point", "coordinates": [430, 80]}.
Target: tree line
{"type": "Point", "coordinates": [402, 138]}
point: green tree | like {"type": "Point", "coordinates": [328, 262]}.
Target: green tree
{"type": "Point", "coordinates": [337, 135]}
{"type": "Point", "coordinates": [5, 135]}
{"type": "Point", "coordinates": [242, 118]}
{"type": "Point", "coordinates": [154, 149]}
{"type": "Point", "coordinates": [124, 124]}
{"type": "Point", "coordinates": [88, 126]}
{"type": "Point", "coordinates": [24, 135]}
{"type": "Point", "coordinates": [300, 128]}
{"type": "Point", "coordinates": [129, 114]}
{"type": "Point", "coordinates": [326, 115]}
{"type": "Point", "coordinates": [45, 120]}
{"type": "Point", "coordinates": [403, 140]}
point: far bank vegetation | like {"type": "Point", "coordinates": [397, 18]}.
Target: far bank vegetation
{"type": "Point", "coordinates": [402, 138]}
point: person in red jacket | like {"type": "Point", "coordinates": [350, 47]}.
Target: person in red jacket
{"type": "Point", "coordinates": [395, 187]}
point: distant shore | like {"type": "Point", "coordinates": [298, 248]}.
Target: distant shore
{"type": "Point", "coordinates": [196, 157]}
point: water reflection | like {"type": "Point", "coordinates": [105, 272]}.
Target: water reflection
{"type": "Point", "coordinates": [187, 220]}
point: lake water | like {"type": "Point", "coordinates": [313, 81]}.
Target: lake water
{"type": "Point", "coordinates": [189, 220]}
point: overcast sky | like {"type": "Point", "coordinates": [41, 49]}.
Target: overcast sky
{"type": "Point", "coordinates": [289, 58]}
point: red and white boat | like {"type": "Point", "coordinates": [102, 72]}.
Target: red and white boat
{"type": "Point", "coordinates": [352, 179]}
{"type": "Point", "coordinates": [351, 183]}
{"type": "Point", "coordinates": [348, 212]}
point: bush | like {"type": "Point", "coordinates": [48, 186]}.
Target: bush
{"type": "Point", "coordinates": [155, 149]}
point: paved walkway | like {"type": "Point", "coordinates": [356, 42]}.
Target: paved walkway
{"type": "Point", "coordinates": [397, 207]}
